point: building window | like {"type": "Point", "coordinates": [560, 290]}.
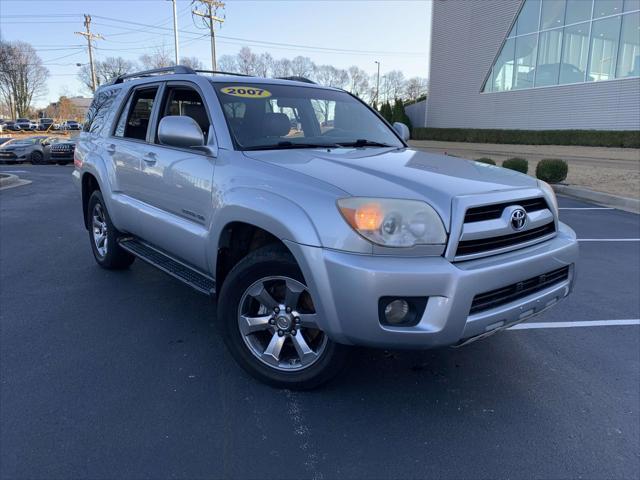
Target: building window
{"type": "Point", "coordinates": [547, 71]}
{"type": "Point", "coordinates": [557, 42]}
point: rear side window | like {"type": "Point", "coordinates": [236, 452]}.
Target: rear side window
{"type": "Point", "coordinates": [98, 111]}
{"type": "Point", "coordinates": [135, 117]}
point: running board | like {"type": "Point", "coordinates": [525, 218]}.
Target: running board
{"type": "Point", "coordinates": [184, 273]}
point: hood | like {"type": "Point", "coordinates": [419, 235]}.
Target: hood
{"type": "Point", "coordinates": [398, 173]}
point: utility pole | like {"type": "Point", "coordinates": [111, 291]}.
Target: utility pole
{"type": "Point", "coordinates": [209, 17]}
{"type": "Point", "coordinates": [175, 32]}
{"type": "Point", "coordinates": [90, 36]}
{"type": "Point", "coordinates": [378, 84]}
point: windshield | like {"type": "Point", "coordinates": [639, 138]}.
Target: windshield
{"type": "Point", "coordinates": [262, 116]}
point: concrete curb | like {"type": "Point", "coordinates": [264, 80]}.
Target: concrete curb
{"type": "Point", "coordinates": [9, 181]}
{"type": "Point", "coordinates": [622, 203]}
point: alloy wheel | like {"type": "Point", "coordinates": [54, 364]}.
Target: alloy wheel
{"type": "Point", "coordinates": [278, 323]}
{"type": "Point", "coordinates": [99, 228]}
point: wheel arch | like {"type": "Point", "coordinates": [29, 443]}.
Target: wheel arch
{"type": "Point", "coordinates": [257, 221]}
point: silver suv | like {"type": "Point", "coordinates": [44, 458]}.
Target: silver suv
{"type": "Point", "coordinates": [311, 220]}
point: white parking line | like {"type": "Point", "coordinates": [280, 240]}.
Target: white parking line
{"type": "Point", "coordinates": [588, 323]}
{"type": "Point", "coordinates": [586, 208]}
{"type": "Point", "coordinates": [609, 239]}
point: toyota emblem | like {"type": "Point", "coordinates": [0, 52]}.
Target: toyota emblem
{"type": "Point", "coordinates": [518, 219]}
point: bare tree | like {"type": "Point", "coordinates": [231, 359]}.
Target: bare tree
{"type": "Point", "coordinates": [192, 62]}
{"type": "Point", "coordinates": [358, 81]}
{"type": "Point", "coordinates": [22, 76]}
{"type": "Point", "coordinates": [302, 67]}
{"type": "Point", "coordinates": [394, 85]}
{"type": "Point", "coordinates": [264, 65]}
{"type": "Point", "coordinates": [228, 63]}
{"type": "Point", "coordinates": [415, 88]}
{"type": "Point", "coordinates": [107, 70]}
{"type": "Point", "coordinates": [281, 68]}
{"type": "Point", "coordinates": [247, 61]}
{"type": "Point", "coordinates": [159, 58]}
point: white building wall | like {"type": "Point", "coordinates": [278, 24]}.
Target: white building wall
{"type": "Point", "coordinates": [466, 37]}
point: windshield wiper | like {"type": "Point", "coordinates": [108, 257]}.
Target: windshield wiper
{"type": "Point", "coordinates": [363, 142]}
{"type": "Point", "coordinates": [287, 144]}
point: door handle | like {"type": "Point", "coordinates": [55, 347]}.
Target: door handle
{"type": "Point", "coordinates": [150, 158]}
{"type": "Point", "coordinates": [111, 148]}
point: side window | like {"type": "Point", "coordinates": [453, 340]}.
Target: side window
{"type": "Point", "coordinates": [187, 102]}
{"type": "Point", "coordinates": [99, 109]}
{"type": "Point", "coordinates": [135, 117]}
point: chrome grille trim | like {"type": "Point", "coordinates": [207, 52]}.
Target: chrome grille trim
{"type": "Point", "coordinates": [487, 235]}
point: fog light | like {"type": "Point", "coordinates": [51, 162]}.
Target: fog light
{"type": "Point", "coordinates": [395, 312]}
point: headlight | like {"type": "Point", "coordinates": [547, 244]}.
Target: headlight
{"type": "Point", "coordinates": [393, 223]}
{"type": "Point", "coordinates": [550, 195]}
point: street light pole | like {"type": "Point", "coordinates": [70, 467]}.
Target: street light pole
{"type": "Point", "coordinates": [378, 84]}
{"type": "Point", "coordinates": [175, 32]}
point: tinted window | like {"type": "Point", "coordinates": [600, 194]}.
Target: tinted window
{"type": "Point", "coordinates": [278, 116]}
{"type": "Point", "coordinates": [187, 102]}
{"type": "Point", "coordinates": [135, 117]}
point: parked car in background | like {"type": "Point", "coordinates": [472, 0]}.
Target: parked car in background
{"type": "Point", "coordinates": [45, 124]}
{"type": "Point", "coordinates": [71, 125]}
{"type": "Point", "coordinates": [24, 123]}
{"type": "Point", "coordinates": [11, 126]}
{"type": "Point", "coordinates": [62, 152]}
{"type": "Point", "coordinates": [32, 149]}
{"type": "Point", "coordinates": [33, 125]}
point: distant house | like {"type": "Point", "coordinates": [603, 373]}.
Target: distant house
{"type": "Point", "coordinates": [69, 108]}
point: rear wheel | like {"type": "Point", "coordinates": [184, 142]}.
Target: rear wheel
{"type": "Point", "coordinates": [104, 236]}
{"type": "Point", "coordinates": [36, 157]}
{"type": "Point", "coordinates": [270, 325]}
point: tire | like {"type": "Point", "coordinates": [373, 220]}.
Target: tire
{"type": "Point", "coordinates": [281, 276]}
{"type": "Point", "coordinates": [37, 157]}
{"type": "Point", "coordinates": [103, 236]}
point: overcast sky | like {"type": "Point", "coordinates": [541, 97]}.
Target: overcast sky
{"type": "Point", "coordinates": [340, 33]}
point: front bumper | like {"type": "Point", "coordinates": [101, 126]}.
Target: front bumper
{"type": "Point", "coordinates": [346, 288]}
{"type": "Point", "coordinates": [13, 156]}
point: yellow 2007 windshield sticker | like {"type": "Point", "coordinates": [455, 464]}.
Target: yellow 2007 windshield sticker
{"type": "Point", "coordinates": [246, 92]}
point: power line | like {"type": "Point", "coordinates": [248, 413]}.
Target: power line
{"type": "Point", "coordinates": [262, 42]}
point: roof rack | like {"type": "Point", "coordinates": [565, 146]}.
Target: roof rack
{"type": "Point", "coordinates": [297, 79]}
{"type": "Point", "coordinates": [223, 73]}
{"type": "Point", "coordinates": [155, 71]}
{"type": "Point", "coordinates": [181, 69]}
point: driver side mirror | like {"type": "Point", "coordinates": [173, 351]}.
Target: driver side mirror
{"type": "Point", "coordinates": [180, 131]}
{"type": "Point", "coordinates": [402, 130]}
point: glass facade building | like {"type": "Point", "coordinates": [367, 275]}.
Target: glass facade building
{"type": "Point", "coordinates": [559, 42]}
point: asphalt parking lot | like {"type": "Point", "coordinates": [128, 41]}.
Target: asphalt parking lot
{"type": "Point", "coordinates": [122, 374]}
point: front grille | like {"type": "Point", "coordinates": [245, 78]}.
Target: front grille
{"type": "Point", "coordinates": [504, 295]}
{"type": "Point", "coordinates": [470, 247]}
{"type": "Point", "coordinates": [491, 212]}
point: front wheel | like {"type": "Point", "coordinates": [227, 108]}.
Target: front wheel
{"type": "Point", "coordinates": [270, 325]}
{"type": "Point", "coordinates": [36, 157]}
{"type": "Point", "coordinates": [104, 236]}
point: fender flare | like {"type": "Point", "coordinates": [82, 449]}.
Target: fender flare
{"type": "Point", "coordinates": [269, 211]}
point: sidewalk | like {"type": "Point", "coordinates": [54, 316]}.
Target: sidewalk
{"type": "Point", "coordinates": [610, 170]}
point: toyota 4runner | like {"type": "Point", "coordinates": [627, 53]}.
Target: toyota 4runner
{"type": "Point", "coordinates": [311, 220]}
